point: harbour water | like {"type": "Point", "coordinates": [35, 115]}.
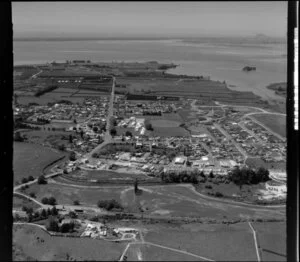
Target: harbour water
{"type": "Point", "coordinates": [218, 58]}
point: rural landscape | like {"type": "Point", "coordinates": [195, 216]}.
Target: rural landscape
{"type": "Point", "coordinates": [127, 161]}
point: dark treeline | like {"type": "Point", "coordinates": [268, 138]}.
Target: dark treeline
{"type": "Point", "coordinates": [45, 90]}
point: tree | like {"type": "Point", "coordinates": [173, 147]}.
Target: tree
{"type": "Point", "coordinates": [211, 174]}
{"type": "Point", "coordinates": [136, 189]}
{"type": "Point", "coordinates": [95, 129]}
{"type": "Point", "coordinates": [18, 137]}
{"type": "Point", "coordinates": [52, 224]}
{"type": "Point", "coordinates": [148, 126]}
{"type": "Point", "coordinates": [67, 227]}
{"type": "Point", "coordinates": [51, 201]}
{"type": "Point", "coordinates": [48, 211]}
{"type": "Point", "coordinates": [81, 133]}
{"type": "Point", "coordinates": [62, 147]}
{"type": "Point", "coordinates": [43, 213]}
{"type": "Point", "coordinates": [70, 139]}
{"type": "Point", "coordinates": [74, 121]}
{"type": "Point", "coordinates": [263, 174]}
{"type": "Point", "coordinates": [76, 202]}
{"type": "Point", "coordinates": [72, 214]}
{"type": "Point", "coordinates": [113, 131]}
{"type": "Point", "coordinates": [30, 178]}
{"type": "Point", "coordinates": [128, 133]}
{"type": "Point", "coordinates": [72, 156]}
{"type": "Point", "coordinates": [32, 194]}
{"type": "Point", "coordinates": [54, 211]}
{"type": "Point", "coordinates": [45, 201]}
{"type": "Point", "coordinates": [42, 180]}
{"type": "Point", "coordinates": [24, 180]}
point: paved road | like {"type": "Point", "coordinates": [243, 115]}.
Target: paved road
{"type": "Point", "coordinates": [107, 138]}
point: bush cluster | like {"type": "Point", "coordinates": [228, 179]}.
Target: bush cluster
{"type": "Point", "coordinates": [109, 204]}
{"type": "Point", "coordinates": [49, 201]}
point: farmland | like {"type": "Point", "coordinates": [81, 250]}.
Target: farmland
{"type": "Point", "coordinates": [277, 123]}
{"type": "Point", "coordinates": [30, 159]}
{"type": "Point", "coordinates": [32, 243]}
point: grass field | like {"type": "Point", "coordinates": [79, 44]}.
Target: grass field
{"type": "Point", "coordinates": [167, 131]}
{"type": "Point", "coordinates": [272, 240]}
{"type": "Point", "coordinates": [277, 123]}
{"type": "Point", "coordinates": [154, 253]}
{"type": "Point", "coordinates": [169, 200]}
{"type": "Point", "coordinates": [218, 242]}
{"type": "Point", "coordinates": [19, 202]}
{"type": "Point", "coordinates": [255, 162]}
{"type": "Point", "coordinates": [31, 242]}
{"type": "Point", "coordinates": [164, 123]}
{"type": "Point", "coordinates": [106, 174]}
{"type": "Point", "coordinates": [30, 159]}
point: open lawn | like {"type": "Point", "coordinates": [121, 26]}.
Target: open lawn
{"type": "Point", "coordinates": [30, 159]}
{"type": "Point", "coordinates": [171, 200]}
{"type": "Point", "coordinates": [277, 123]}
{"type": "Point", "coordinates": [272, 240]}
{"type": "Point", "coordinates": [32, 243]}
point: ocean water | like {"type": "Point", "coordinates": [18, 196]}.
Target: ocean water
{"type": "Point", "coordinates": [218, 58]}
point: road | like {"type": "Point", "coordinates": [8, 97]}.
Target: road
{"type": "Point", "coordinates": [242, 151]}
{"type": "Point", "coordinates": [107, 138]}
{"type": "Point", "coordinates": [35, 180]}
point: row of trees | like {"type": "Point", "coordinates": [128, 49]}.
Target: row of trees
{"type": "Point", "coordinates": [27, 179]}
{"type": "Point", "coordinates": [43, 214]}
{"type": "Point", "coordinates": [53, 225]}
{"type": "Point", "coordinates": [49, 201]}
{"type": "Point", "coordinates": [248, 176]}
{"type": "Point", "coordinates": [180, 177]}
{"type": "Point", "coordinates": [45, 90]}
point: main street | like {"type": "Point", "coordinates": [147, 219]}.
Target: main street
{"type": "Point", "coordinates": [107, 138]}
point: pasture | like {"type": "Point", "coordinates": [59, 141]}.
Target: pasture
{"type": "Point", "coordinates": [32, 243]}
{"type": "Point", "coordinates": [30, 159]}
{"type": "Point", "coordinates": [272, 240]}
{"type": "Point", "coordinates": [218, 242]}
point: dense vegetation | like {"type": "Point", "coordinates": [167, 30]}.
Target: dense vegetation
{"type": "Point", "coordinates": [45, 90]}
{"type": "Point", "coordinates": [109, 204]}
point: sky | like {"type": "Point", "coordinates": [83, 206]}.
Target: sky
{"type": "Point", "coordinates": [149, 19]}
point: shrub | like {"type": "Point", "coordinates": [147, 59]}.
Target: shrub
{"type": "Point", "coordinates": [218, 194]}
{"type": "Point", "coordinates": [30, 178]}
{"type": "Point", "coordinates": [76, 202]}
{"type": "Point", "coordinates": [72, 214]}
